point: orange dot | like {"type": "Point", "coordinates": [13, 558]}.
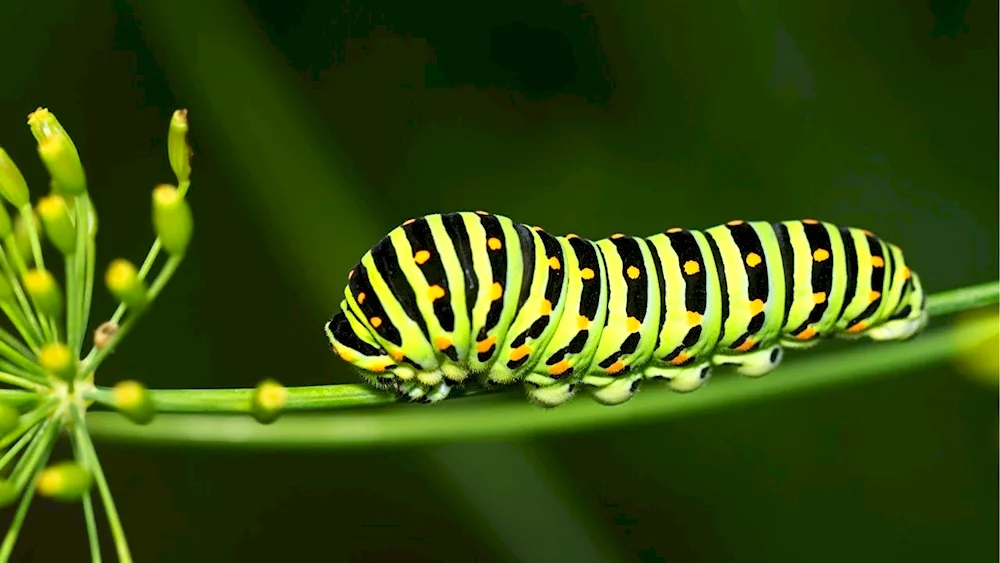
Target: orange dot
{"type": "Point", "coordinates": [821, 254]}
{"type": "Point", "coordinates": [537, 229]}
{"type": "Point", "coordinates": [442, 342]}
{"type": "Point", "coordinates": [409, 222]}
{"type": "Point", "coordinates": [375, 321]}
{"type": "Point", "coordinates": [554, 263]}
{"type": "Point", "coordinates": [496, 291]}
{"type": "Point", "coordinates": [858, 327]}
{"type": "Point", "coordinates": [874, 295]}
{"type": "Point", "coordinates": [494, 243]}
{"type": "Point", "coordinates": [756, 306]}
{"type": "Point", "coordinates": [675, 230]}
{"type": "Point", "coordinates": [587, 274]}
{"type": "Point", "coordinates": [632, 324]}
{"type": "Point", "coordinates": [691, 267]}
{"type": "Point", "coordinates": [680, 358]}
{"type": "Point", "coordinates": [615, 367]}
{"type": "Point", "coordinates": [753, 259]}
{"type": "Point", "coordinates": [361, 298]}
{"type": "Point", "coordinates": [520, 352]}
{"type": "Point", "coordinates": [484, 346]}
{"type": "Point", "coordinates": [397, 355]}
{"type": "Point", "coordinates": [559, 368]}
{"type": "Point", "coordinates": [582, 322]}
{"type": "Point", "coordinates": [806, 334]}
{"type": "Point", "coordinates": [694, 319]}
{"type": "Point", "coordinates": [481, 213]}
{"type": "Point", "coordinates": [906, 272]}
{"type": "Point", "coordinates": [421, 257]}
{"type": "Point", "coordinates": [546, 307]}
{"type": "Point", "coordinates": [572, 235]}
{"type": "Point", "coordinates": [747, 345]}
{"type": "Point", "coordinates": [819, 297]}
{"type": "Point", "coordinates": [632, 272]}
{"type": "Point", "coordinates": [734, 223]}
{"type": "Point", "coordinates": [810, 221]}
{"type": "Point", "coordinates": [346, 355]}
{"type": "Point", "coordinates": [378, 367]}
{"type": "Point", "coordinates": [877, 262]}
{"type": "Point", "coordinates": [435, 292]}
{"type": "Point", "coordinates": [350, 274]}
{"type": "Point", "coordinates": [617, 236]}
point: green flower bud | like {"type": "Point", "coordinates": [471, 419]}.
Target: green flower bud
{"type": "Point", "coordinates": [6, 225]}
{"type": "Point", "coordinates": [133, 400]}
{"type": "Point", "coordinates": [269, 398]}
{"type": "Point", "coordinates": [172, 219]}
{"type": "Point", "coordinates": [66, 481]}
{"type": "Point", "coordinates": [44, 291]}
{"type": "Point", "coordinates": [9, 418]}
{"type": "Point", "coordinates": [58, 360]}
{"type": "Point", "coordinates": [54, 213]}
{"type": "Point", "coordinates": [13, 188]}
{"type": "Point", "coordinates": [8, 493]}
{"type": "Point", "coordinates": [123, 281]}
{"type": "Point", "coordinates": [58, 153]}
{"type": "Point", "coordinates": [177, 147]}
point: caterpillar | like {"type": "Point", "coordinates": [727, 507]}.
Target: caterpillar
{"type": "Point", "coordinates": [448, 297]}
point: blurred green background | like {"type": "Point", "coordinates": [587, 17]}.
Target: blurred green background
{"type": "Point", "coordinates": [319, 126]}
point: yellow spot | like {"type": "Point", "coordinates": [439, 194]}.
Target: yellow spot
{"type": "Point", "coordinates": [734, 223]}
{"type": "Point", "coordinates": [481, 213]}
{"type": "Point", "coordinates": [537, 229]}
{"type": "Point", "coordinates": [520, 352]}
{"type": "Point", "coordinates": [380, 366]}
{"type": "Point", "coordinates": [691, 267]}
{"type": "Point", "coordinates": [632, 272]}
{"type": "Point", "coordinates": [421, 257]}
{"type": "Point", "coordinates": [554, 263]}
{"type": "Point", "coordinates": [868, 233]}
{"type": "Point", "coordinates": [675, 230]}
{"type": "Point", "coordinates": [747, 344]}
{"type": "Point", "coordinates": [375, 321]}
{"type": "Point", "coordinates": [874, 295]}
{"type": "Point", "coordinates": [810, 221]}
{"type": "Point", "coordinates": [587, 274]}
{"type": "Point", "coordinates": [350, 274]}
{"type": "Point", "coordinates": [756, 306]}
{"type": "Point", "coordinates": [409, 222]}
{"type": "Point", "coordinates": [582, 322]}
{"type": "Point", "coordinates": [753, 259]}
{"type": "Point", "coordinates": [496, 291]}
{"type": "Point", "coordinates": [858, 327]}
{"type": "Point", "coordinates": [347, 355]}
{"type": "Point", "coordinates": [484, 346]}
{"type": "Point", "coordinates": [819, 297]}
{"type": "Point", "coordinates": [435, 292]}
{"type": "Point", "coordinates": [397, 355]}
{"type": "Point", "coordinates": [572, 235]}
{"type": "Point", "coordinates": [806, 334]}
{"type": "Point", "coordinates": [615, 367]}
{"type": "Point", "coordinates": [442, 342]}
{"type": "Point", "coordinates": [906, 272]}
{"type": "Point", "coordinates": [617, 235]}
{"type": "Point", "coordinates": [632, 324]}
{"type": "Point", "coordinates": [821, 254]}
{"type": "Point", "coordinates": [546, 307]}
{"type": "Point", "coordinates": [361, 298]}
{"type": "Point", "coordinates": [694, 319]}
{"type": "Point", "coordinates": [680, 358]}
{"type": "Point", "coordinates": [877, 262]}
{"type": "Point", "coordinates": [559, 368]}
{"type": "Point", "coordinates": [494, 243]}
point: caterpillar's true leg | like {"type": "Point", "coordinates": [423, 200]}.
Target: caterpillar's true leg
{"type": "Point", "coordinates": [753, 364]}
{"type": "Point", "coordinates": [614, 390]}
{"type": "Point", "coordinates": [548, 392]}
{"type": "Point", "coordinates": [681, 379]}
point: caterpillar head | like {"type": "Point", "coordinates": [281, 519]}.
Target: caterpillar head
{"type": "Point", "coordinates": [352, 341]}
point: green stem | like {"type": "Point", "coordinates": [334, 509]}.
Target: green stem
{"type": "Point", "coordinates": [75, 276]}
{"type": "Point", "coordinates": [88, 288]}
{"type": "Point", "coordinates": [14, 357]}
{"type": "Point", "coordinates": [28, 420]}
{"type": "Point", "coordinates": [88, 505]}
{"type": "Point", "coordinates": [10, 539]}
{"type": "Point", "coordinates": [472, 419]}
{"type": "Point", "coordinates": [90, 458]}
{"type": "Point", "coordinates": [19, 323]}
{"type": "Point", "coordinates": [27, 313]}
{"type": "Point", "coordinates": [21, 382]}
{"type": "Point", "coordinates": [18, 446]}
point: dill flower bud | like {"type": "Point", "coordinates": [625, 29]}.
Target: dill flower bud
{"type": "Point", "coordinates": [133, 400]}
{"type": "Point", "coordinates": [172, 219]}
{"type": "Point", "coordinates": [13, 188]}
{"type": "Point", "coordinates": [124, 283]}
{"type": "Point", "coordinates": [269, 398]}
{"type": "Point", "coordinates": [9, 418]}
{"type": "Point", "coordinates": [54, 214]}
{"type": "Point", "coordinates": [44, 291]}
{"type": "Point", "coordinates": [58, 360]}
{"type": "Point", "coordinates": [58, 153]}
{"type": "Point", "coordinates": [66, 481]}
{"type": "Point", "coordinates": [178, 150]}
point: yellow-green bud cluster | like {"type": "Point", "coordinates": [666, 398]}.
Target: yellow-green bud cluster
{"type": "Point", "coordinates": [172, 219]}
{"type": "Point", "coordinates": [269, 398]}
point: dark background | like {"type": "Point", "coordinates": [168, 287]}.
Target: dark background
{"type": "Point", "coordinates": [319, 126]}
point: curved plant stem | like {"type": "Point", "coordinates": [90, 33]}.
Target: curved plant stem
{"type": "Point", "coordinates": [472, 419]}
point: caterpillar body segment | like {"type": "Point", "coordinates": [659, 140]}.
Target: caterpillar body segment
{"type": "Point", "coordinates": [448, 297]}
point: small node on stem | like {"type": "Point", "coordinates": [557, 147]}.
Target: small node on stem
{"type": "Point", "coordinates": [58, 153]}
{"type": "Point", "coordinates": [133, 401]}
{"type": "Point", "coordinates": [172, 219]}
{"type": "Point", "coordinates": [122, 279]}
{"type": "Point", "coordinates": [9, 419]}
{"type": "Point", "coordinates": [65, 481]}
{"type": "Point", "coordinates": [44, 291]}
{"type": "Point", "coordinates": [178, 150]}
{"type": "Point", "coordinates": [269, 398]}
{"type": "Point", "coordinates": [13, 188]}
{"type": "Point", "coordinates": [104, 333]}
{"type": "Point", "coordinates": [57, 359]}
{"type": "Point", "coordinates": [59, 229]}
